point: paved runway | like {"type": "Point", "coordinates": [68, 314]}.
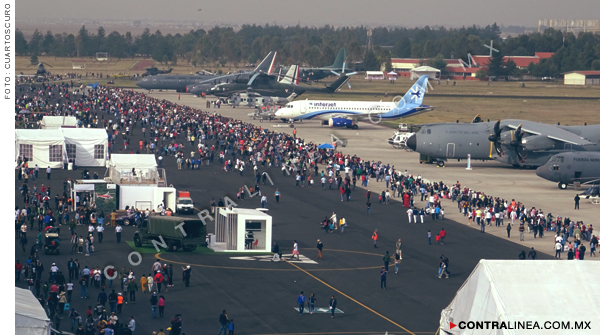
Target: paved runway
{"type": "Point", "coordinates": [261, 296]}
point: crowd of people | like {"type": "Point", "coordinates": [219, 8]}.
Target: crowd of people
{"type": "Point", "coordinates": [194, 138]}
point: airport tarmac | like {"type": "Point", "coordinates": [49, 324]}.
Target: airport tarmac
{"type": "Point", "coordinates": [370, 142]}
{"type": "Point", "coordinates": [261, 295]}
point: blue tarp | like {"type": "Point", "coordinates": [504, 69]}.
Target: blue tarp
{"type": "Point", "coordinates": [326, 146]}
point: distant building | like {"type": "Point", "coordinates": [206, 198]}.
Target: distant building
{"type": "Point", "coordinates": [582, 78]}
{"type": "Point", "coordinates": [456, 69]}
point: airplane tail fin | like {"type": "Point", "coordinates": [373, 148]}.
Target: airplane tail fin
{"type": "Point", "coordinates": [266, 66]}
{"type": "Point", "coordinates": [335, 86]}
{"type": "Point", "coordinates": [416, 93]}
{"type": "Point", "coordinates": [291, 77]}
{"type": "Point", "coordinates": [339, 60]}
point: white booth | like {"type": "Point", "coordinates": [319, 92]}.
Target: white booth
{"type": "Point", "coordinates": [432, 72]}
{"type": "Point", "coordinates": [30, 317]}
{"type": "Point", "coordinates": [133, 169]}
{"type": "Point", "coordinates": [57, 122]}
{"type": "Point", "coordinates": [44, 147]}
{"type": "Point", "coordinates": [241, 230]}
{"type": "Point", "coordinates": [147, 197]}
{"type": "Point", "coordinates": [86, 146]}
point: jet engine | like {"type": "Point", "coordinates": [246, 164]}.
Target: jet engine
{"type": "Point", "coordinates": [340, 122]}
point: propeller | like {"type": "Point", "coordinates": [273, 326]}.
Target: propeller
{"type": "Point", "coordinates": [516, 141]}
{"type": "Point", "coordinates": [344, 73]}
{"type": "Point", "coordinates": [495, 138]}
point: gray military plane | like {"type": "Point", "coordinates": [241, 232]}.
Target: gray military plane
{"type": "Point", "coordinates": [318, 73]}
{"type": "Point", "coordinates": [520, 143]}
{"type": "Point", "coordinates": [568, 168]}
{"type": "Point", "coordinates": [202, 82]}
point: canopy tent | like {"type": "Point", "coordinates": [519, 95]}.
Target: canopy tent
{"type": "Point", "coordinates": [326, 146]}
{"type": "Point", "coordinates": [44, 147]}
{"type": "Point", "coordinates": [30, 317]}
{"type": "Point", "coordinates": [417, 72]}
{"type": "Point", "coordinates": [126, 169]}
{"type": "Point", "coordinates": [57, 122]}
{"type": "Point", "coordinates": [392, 75]}
{"type": "Point", "coordinates": [88, 146]}
{"type": "Point", "coordinates": [374, 75]}
{"type": "Point", "coordinates": [514, 291]}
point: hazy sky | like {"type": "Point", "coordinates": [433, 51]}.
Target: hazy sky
{"type": "Point", "coordinates": [317, 12]}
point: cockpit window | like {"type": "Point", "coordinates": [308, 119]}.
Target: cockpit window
{"type": "Point", "coordinates": [428, 131]}
{"type": "Point", "coordinates": [558, 159]}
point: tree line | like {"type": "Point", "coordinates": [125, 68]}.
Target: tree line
{"type": "Point", "coordinates": [318, 46]}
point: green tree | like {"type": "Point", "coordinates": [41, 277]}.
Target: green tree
{"type": "Point", "coordinates": [35, 43]}
{"type": "Point", "coordinates": [403, 48]}
{"type": "Point", "coordinates": [223, 62]}
{"type": "Point", "coordinates": [83, 42]}
{"type": "Point", "coordinates": [370, 62]}
{"type": "Point", "coordinates": [481, 74]}
{"type": "Point", "coordinates": [385, 58]}
{"type": "Point", "coordinates": [438, 62]}
{"type": "Point", "coordinates": [47, 43]}
{"type": "Point", "coordinates": [496, 65]}
{"type": "Point", "coordinates": [100, 40]}
{"type": "Point", "coordinates": [21, 44]}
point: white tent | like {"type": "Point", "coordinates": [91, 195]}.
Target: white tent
{"type": "Point", "coordinates": [88, 146]}
{"type": "Point", "coordinates": [513, 292]}
{"type": "Point", "coordinates": [30, 317]}
{"type": "Point", "coordinates": [121, 169]}
{"type": "Point", "coordinates": [56, 122]}
{"type": "Point", "coordinates": [44, 147]}
{"type": "Point", "coordinates": [417, 72]}
{"type": "Point", "coordinates": [374, 75]}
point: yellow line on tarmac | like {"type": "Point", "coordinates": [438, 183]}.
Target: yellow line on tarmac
{"type": "Point", "coordinates": [349, 297]}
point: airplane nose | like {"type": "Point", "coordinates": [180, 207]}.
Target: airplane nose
{"type": "Point", "coordinates": [543, 172]}
{"type": "Point", "coordinates": [411, 142]}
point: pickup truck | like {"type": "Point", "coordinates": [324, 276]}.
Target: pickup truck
{"type": "Point", "coordinates": [185, 204]}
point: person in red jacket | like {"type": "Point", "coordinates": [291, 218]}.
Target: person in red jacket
{"type": "Point", "coordinates": [158, 279]}
{"type": "Point", "coordinates": [442, 236]}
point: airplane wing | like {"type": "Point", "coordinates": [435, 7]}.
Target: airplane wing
{"type": "Point", "coordinates": [550, 131]}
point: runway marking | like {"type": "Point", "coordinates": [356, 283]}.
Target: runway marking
{"type": "Point", "coordinates": [322, 310]}
{"type": "Point", "coordinates": [158, 255]}
{"type": "Point", "coordinates": [352, 299]}
{"type": "Point", "coordinates": [303, 259]}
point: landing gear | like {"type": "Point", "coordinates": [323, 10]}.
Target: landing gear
{"type": "Point", "coordinates": [441, 163]}
{"type": "Point", "coordinates": [354, 126]}
{"type": "Point", "coordinates": [562, 186]}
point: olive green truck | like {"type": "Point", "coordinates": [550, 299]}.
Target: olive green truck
{"type": "Point", "coordinates": [177, 233]}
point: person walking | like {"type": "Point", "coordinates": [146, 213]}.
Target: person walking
{"type": "Point", "coordinates": [382, 275]}
{"type": "Point", "coordinates": [118, 230]}
{"type": "Point", "coordinates": [374, 238]}
{"type": "Point", "coordinates": [161, 306]}
{"type": "Point", "coordinates": [154, 304]}
{"type": "Point", "coordinates": [332, 305]}
{"type": "Point", "coordinates": [386, 260]}
{"type": "Point", "coordinates": [223, 320]}
{"type": "Point", "coordinates": [522, 232]}
{"type": "Point", "coordinates": [368, 206]}
{"type": "Point", "coordinates": [429, 236]}
{"type": "Point", "coordinates": [319, 250]}
{"type": "Point", "coordinates": [295, 251]}
{"type": "Point", "coordinates": [508, 229]}
{"type": "Point", "coordinates": [576, 201]}
{"type": "Point", "coordinates": [277, 194]}
{"type": "Point", "coordinates": [311, 303]}
{"type": "Point", "coordinates": [397, 262]}
{"type": "Point", "coordinates": [301, 300]}
{"type": "Point", "coordinates": [399, 248]}
{"type": "Point", "coordinates": [558, 248]}
{"type": "Point", "coordinates": [532, 254]}
{"type": "Point", "coordinates": [187, 274]}
{"type": "Point", "coordinates": [442, 236]}
{"type": "Point", "coordinates": [276, 256]}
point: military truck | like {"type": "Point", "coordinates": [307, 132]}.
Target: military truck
{"type": "Point", "coordinates": [153, 227]}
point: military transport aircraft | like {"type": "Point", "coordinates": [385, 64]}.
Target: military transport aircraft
{"type": "Point", "coordinates": [517, 142]}
{"type": "Point", "coordinates": [182, 83]}
{"type": "Point", "coordinates": [568, 168]}
{"type": "Point", "coordinates": [40, 72]}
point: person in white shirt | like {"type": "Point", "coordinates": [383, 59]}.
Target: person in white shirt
{"type": "Point", "coordinates": [100, 230]}
{"type": "Point", "coordinates": [410, 214]}
{"type": "Point", "coordinates": [54, 270]}
{"type": "Point", "coordinates": [118, 230]}
{"type": "Point", "coordinates": [558, 249]}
